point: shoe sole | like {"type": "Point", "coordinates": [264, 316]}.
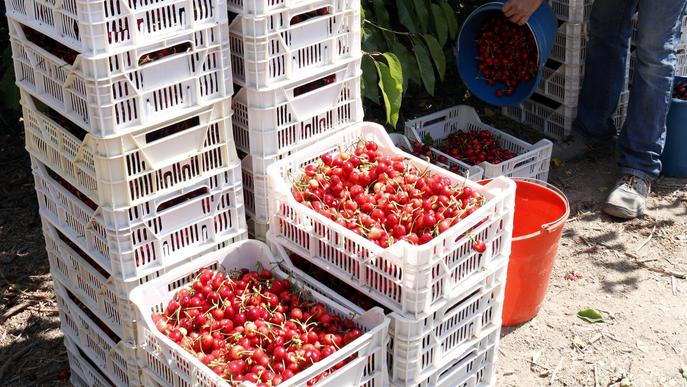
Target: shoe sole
{"type": "Point", "coordinates": [621, 212]}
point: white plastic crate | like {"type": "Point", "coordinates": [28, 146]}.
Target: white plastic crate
{"type": "Point", "coordinates": [89, 282]}
{"type": "Point", "coordinates": [476, 367]}
{"type": "Point", "coordinates": [255, 192]}
{"type": "Point", "coordinates": [575, 11]}
{"type": "Point", "coordinates": [570, 44]}
{"type": "Point", "coordinates": [143, 239]}
{"type": "Point", "coordinates": [95, 286]}
{"type": "Point", "coordinates": [682, 45]}
{"type": "Point", "coordinates": [290, 44]}
{"type": "Point", "coordinates": [262, 7]}
{"type": "Point", "coordinates": [273, 123]}
{"type": "Point", "coordinates": [403, 277]}
{"type": "Point", "coordinates": [421, 348]}
{"type": "Point", "coordinates": [112, 355]}
{"type": "Point", "coordinates": [472, 172]}
{"type": "Point", "coordinates": [681, 67]}
{"type": "Point", "coordinates": [171, 365]}
{"type": "Point", "coordinates": [562, 84]}
{"type": "Point", "coordinates": [128, 170]}
{"type": "Point", "coordinates": [91, 27]}
{"type": "Point", "coordinates": [553, 118]}
{"type": "Point", "coordinates": [110, 95]}
{"type": "Point", "coordinates": [532, 160]}
{"type": "Point", "coordinates": [84, 371]}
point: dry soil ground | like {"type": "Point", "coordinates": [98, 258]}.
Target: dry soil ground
{"type": "Point", "coordinates": [643, 341]}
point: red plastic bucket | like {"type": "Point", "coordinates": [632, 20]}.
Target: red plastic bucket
{"type": "Point", "coordinates": [541, 211]}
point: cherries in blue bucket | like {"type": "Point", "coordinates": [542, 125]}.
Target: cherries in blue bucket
{"type": "Point", "coordinates": [508, 54]}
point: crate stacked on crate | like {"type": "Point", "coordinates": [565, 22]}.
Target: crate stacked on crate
{"type": "Point", "coordinates": [444, 297]}
{"type": "Point", "coordinates": [356, 363]}
{"type": "Point", "coordinates": [297, 64]}
{"type": "Point", "coordinates": [553, 107]}
{"type": "Point", "coordinates": [127, 115]}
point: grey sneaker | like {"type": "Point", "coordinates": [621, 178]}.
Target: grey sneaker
{"type": "Point", "coordinates": [628, 198]}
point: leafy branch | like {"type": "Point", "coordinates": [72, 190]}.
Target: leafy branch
{"type": "Point", "coordinates": [407, 51]}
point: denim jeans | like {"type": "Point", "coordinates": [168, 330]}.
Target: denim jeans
{"type": "Point", "coordinates": [643, 135]}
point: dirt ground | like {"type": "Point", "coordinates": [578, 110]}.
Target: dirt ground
{"type": "Point", "coordinates": [643, 341]}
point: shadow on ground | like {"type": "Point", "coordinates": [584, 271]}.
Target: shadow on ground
{"type": "Point", "coordinates": [31, 349]}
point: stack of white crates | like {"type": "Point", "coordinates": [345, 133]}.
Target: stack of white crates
{"type": "Point", "coordinates": [127, 112]}
{"type": "Point", "coordinates": [443, 298]}
{"type": "Point", "coordinates": [553, 107]}
{"type": "Point", "coordinates": [296, 65]}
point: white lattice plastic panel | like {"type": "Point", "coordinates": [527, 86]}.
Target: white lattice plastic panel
{"type": "Point", "coordinates": [276, 122]}
{"type": "Point", "coordinates": [259, 8]}
{"type": "Point", "coordinates": [111, 95]}
{"type": "Point", "coordinates": [128, 170]}
{"type": "Point", "coordinates": [113, 356]}
{"type": "Point", "coordinates": [289, 45]}
{"type": "Point", "coordinates": [444, 347]}
{"type": "Point", "coordinates": [255, 192]}
{"type": "Point", "coordinates": [403, 277]}
{"type": "Point", "coordinates": [421, 350]}
{"type": "Point", "coordinates": [553, 118]}
{"type": "Point", "coordinates": [84, 371]}
{"type": "Point", "coordinates": [422, 347]}
{"type": "Point", "coordinates": [94, 285]}
{"type": "Point", "coordinates": [167, 364]}
{"type": "Point", "coordinates": [563, 82]}
{"type": "Point", "coordinates": [574, 11]}
{"type": "Point", "coordinates": [570, 44]}
{"type": "Point", "coordinates": [475, 367]}
{"type": "Point", "coordinates": [532, 160]}
{"type": "Point", "coordinates": [91, 27]}
{"type": "Point", "coordinates": [144, 239]}
{"type": "Point", "coordinates": [681, 67]}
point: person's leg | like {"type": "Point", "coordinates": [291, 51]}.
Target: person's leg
{"type": "Point", "coordinates": [644, 132]}
{"type": "Point", "coordinates": [643, 136]}
{"type": "Point", "coordinates": [610, 27]}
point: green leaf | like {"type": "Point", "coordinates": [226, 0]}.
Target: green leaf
{"type": "Point", "coordinates": [374, 41]}
{"type": "Point", "coordinates": [395, 67]}
{"type": "Point", "coordinates": [422, 15]}
{"type": "Point", "coordinates": [405, 15]}
{"type": "Point", "coordinates": [590, 316]}
{"type": "Point", "coordinates": [391, 85]}
{"type": "Point", "coordinates": [409, 64]}
{"type": "Point", "coordinates": [683, 372]}
{"type": "Point", "coordinates": [383, 20]}
{"type": "Point", "coordinates": [437, 54]}
{"type": "Point", "coordinates": [425, 65]}
{"type": "Point", "coordinates": [450, 16]}
{"type": "Point", "coordinates": [368, 83]}
{"type": "Point", "coordinates": [440, 25]}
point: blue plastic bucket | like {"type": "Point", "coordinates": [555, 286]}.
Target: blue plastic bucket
{"type": "Point", "coordinates": [674, 159]}
{"type": "Point", "coordinates": [544, 27]}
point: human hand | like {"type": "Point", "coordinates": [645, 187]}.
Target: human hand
{"type": "Point", "coordinates": [519, 11]}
